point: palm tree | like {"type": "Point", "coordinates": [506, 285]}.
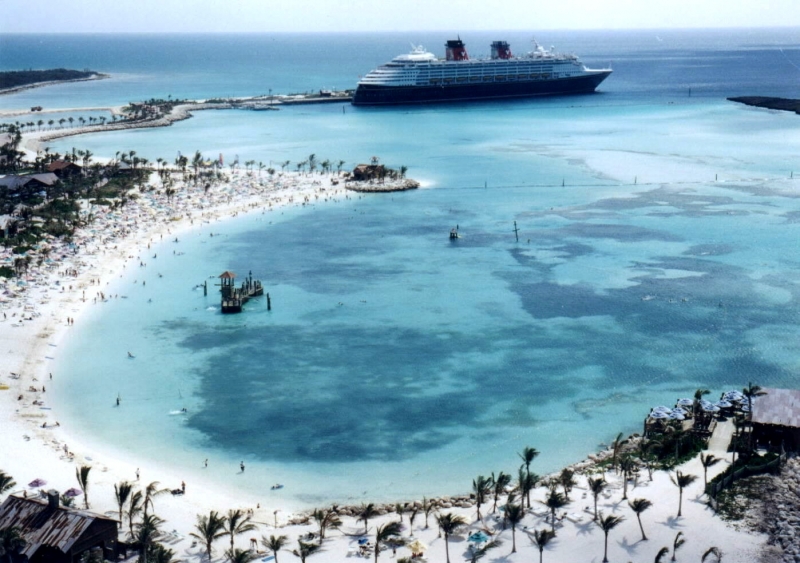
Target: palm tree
{"type": "Point", "coordinates": [367, 511]}
{"type": "Point", "coordinates": [554, 501]}
{"type": "Point", "coordinates": [707, 461]}
{"type": "Point", "coordinates": [677, 543]}
{"type": "Point", "coordinates": [237, 523]}
{"type": "Point", "coordinates": [627, 465]}
{"type": "Point", "coordinates": [540, 539]}
{"type": "Point", "coordinates": [616, 446]}
{"type": "Point", "coordinates": [682, 480]}
{"type": "Point", "coordinates": [607, 524]}
{"type": "Point", "coordinates": [305, 549]}
{"type": "Point", "coordinates": [751, 392]}
{"type": "Point", "coordinates": [400, 509]}
{"type": "Point", "coordinates": [514, 513]}
{"type": "Point", "coordinates": [567, 480]}
{"type": "Point", "coordinates": [274, 544]}
{"type": "Point", "coordinates": [715, 551]}
{"type": "Point", "coordinates": [661, 553]}
{"type": "Point", "coordinates": [209, 529]}
{"type": "Point", "coordinates": [596, 486]}
{"type": "Point", "coordinates": [526, 481]}
{"type": "Point", "coordinates": [160, 554]}
{"type": "Point", "coordinates": [11, 542]}
{"type": "Point", "coordinates": [82, 475]}
{"type": "Point", "coordinates": [647, 450]}
{"type": "Point", "coordinates": [326, 519]}
{"type": "Point", "coordinates": [134, 509]}
{"type": "Point", "coordinates": [6, 482]}
{"type": "Point", "coordinates": [428, 506]}
{"type": "Point", "coordinates": [481, 486]}
{"type": "Point", "coordinates": [150, 493]}
{"type": "Point", "coordinates": [638, 506]}
{"type": "Point", "coordinates": [698, 396]}
{"type": "Point", "coordinates": [411, 517]}
{"type": "Point", "coordinates": [239, 556]}
{"type": "Point", "coordinates": [146, 531]}
{"type": "Point", "coordinates": [527, 456]}
{"type": "Point", "coordinates": [384, 532]}
{"type": "Point", "coordinates": [122, 492]}
{"type": "Point", "coordinates": [312, 163]}
{"type": "Point", "coordinates": [502, 481]}
{"type": "Point", "coordinates": [449, 523]}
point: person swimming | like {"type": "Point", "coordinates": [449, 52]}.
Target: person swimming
{"type": "Point", "coordinates": [131, 355]}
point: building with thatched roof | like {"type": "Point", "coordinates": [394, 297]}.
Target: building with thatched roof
{"type": "Point", "coordinates": [55, 533]}
{"type": "Point", "coordinates": [64, 168]}
{"type": "Point", "coordinates": [776, 419]}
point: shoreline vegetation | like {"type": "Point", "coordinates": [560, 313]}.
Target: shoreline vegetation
{"type": "Point", "coordinates": [18, 80]}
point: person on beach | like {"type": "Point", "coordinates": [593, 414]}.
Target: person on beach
{"type": "Point", "coordinates": [183, 487]}
{"type": "Point", "coordinates": [242, 466]}
{"type": "Point", "coordinates": [205, 463]}
{"type": "Point", "coordinates": [137, 473]}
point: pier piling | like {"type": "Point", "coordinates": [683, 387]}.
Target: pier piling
{"type": "Point", "coordinates": [269, 303]}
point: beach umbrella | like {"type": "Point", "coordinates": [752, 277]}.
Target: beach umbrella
{"type": "Point", "coordinates": [685, 402]}
{"type": "Point", "coordinates": [710, 408]}
{"type": "Point", "coordinates": [676, 416]}
{"type": "Point", "coordinates": [662, 408]}
{"type": "Point", "coordinates": [417, 547]}
{"type": "Point", "coordinates": [37, 483]}
{"type": "Point", "coordinates": [73, 492]}
{"type": "Point", "coordinates": [659, 415]}
{"type": "Point", "coordinates": [478, 537]}
{"type": "Point", "coordinates": [723, 404]}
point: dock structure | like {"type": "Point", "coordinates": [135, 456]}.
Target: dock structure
{"type": "Point", "coordinates": [233, 298]}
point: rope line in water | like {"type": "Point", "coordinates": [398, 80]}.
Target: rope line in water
{"type": "Point", "coordinates": [617, 185]}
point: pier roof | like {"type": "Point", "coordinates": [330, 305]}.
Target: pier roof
{"type": "Point", "coordinates": [227, 275]}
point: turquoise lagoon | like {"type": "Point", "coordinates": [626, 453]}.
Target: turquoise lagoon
{"type": "Point", "coordinates": [656, 254]}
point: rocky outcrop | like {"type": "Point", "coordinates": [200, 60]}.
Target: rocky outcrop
{"type": "Point", "coordinates": [783, 104]}
{"type": "Point", "coordinates": [778, 513]}
{"type": "Point", "coordinates": [388, 186]}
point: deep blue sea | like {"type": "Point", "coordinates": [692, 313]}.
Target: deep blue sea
{"type": "Point", "coordinates": [657, 253]}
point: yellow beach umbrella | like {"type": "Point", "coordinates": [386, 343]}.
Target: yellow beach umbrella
{"type": "Point", "coordinates": [417, 547]}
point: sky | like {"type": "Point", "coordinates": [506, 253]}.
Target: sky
{"type": "Point", "coordinates": [32, 16]}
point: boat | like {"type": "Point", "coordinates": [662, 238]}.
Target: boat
{"type": "Point", "coordinates": [420, 77]}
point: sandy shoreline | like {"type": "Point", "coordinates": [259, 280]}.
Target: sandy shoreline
{"type": "Point", "coordinates": [15, 89]}
{"type": "Point", "coordinates": [30, 345]}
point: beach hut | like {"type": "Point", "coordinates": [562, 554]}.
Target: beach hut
{"type": "Point", "coordinates": [776, 419]}
{"type": "Point", "coordinates": [58, 534]}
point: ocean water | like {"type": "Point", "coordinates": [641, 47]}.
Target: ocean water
{"type": "Point", "coordinates": [656, 254]}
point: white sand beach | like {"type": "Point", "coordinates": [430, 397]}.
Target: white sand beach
{"type": "Point", "coordinates": [33, 445]}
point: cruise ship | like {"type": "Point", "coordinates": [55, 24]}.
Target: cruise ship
{"type": "Point", "coordinates": [419, 77]}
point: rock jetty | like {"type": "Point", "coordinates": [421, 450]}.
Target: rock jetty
{"type": "Point", "coordinates": [782, 104]}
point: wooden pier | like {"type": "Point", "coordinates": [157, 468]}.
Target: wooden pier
{"type": "Point", "coordinates": [233, 298]}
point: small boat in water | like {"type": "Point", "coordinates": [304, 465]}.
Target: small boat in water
{"type": "Point", "coordinates": [276, 487]}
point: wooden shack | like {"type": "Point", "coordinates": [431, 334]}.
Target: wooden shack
{"type": "Point", "coordinates": [55, 533]}
{"type": "Point", "coordinates": [776, 420]}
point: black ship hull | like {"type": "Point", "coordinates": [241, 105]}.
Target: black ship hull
{"type": "Point", "coordinates": [375, 95]}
